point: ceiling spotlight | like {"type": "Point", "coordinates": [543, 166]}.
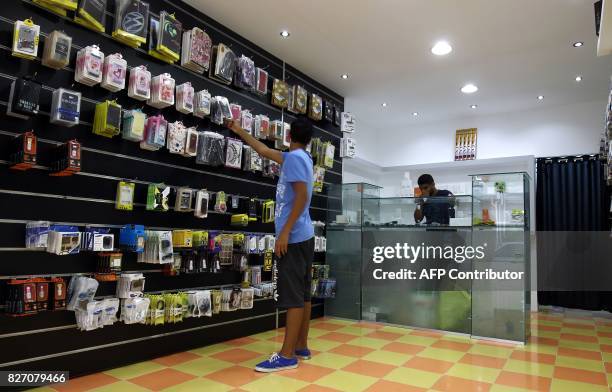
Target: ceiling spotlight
{"type": "Point", "coordinates": [344, 76]}
{"type": "Point", "coordinates": [473, 106]}
{"type": "Point", "coordinates": [441, 48]}
{"type": "Point", "coordinates": [540, 97]}
{"type": "Point", "coordinates": [578, 44]}
{"type": "Point", "coordinates": [285, 34]}
{"type": "Point", "coordinates": [415, 114]}
{"type": "Point", "coordinates": [384, 104]}
{"type": "Point", "coordinates": [469, 88]}
{"type": "Point", "coordinates": [579, 78]}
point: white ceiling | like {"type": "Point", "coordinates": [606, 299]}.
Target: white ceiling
{"type": "Point", "coordinates": [514, 50]}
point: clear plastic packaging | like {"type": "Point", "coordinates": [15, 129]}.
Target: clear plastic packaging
{"type": "Point", "coordinates": [261, 86]}
{"type": "Point", "coordinates": [202, 104]}
{"type": "Point", "coordinates": [211, 149]}
{"type": "Point", "coordinates": [246, 77]}
{"type": "Point", "coordinates": [65, 107]}
{"type": "Point", "coordinates": [169, 36]}
{"type": "Point", "coordinates": [131, 22]}
{"type": "Point", "coordinates": [155, 133]}
{"type": "Point", "coordinates": [315, 109]}
{"type": "Point", "coordinates": [89, 65]}
{"type": "Point", "coordinates": [26, 35]}
{"type": "Point", "coordinates": [347, 124]}
{"type": "Point", "coordinates": [56, 53]}
{"type": "Point", "coordinates": [347, 147]}
{"type": "Point", "coordinates": [220, 110]}
{"type": "Point", "coordinates": [107, 119]}
{"type": "Point", "coordinates": [114, 72]}
{"type": "Point", "coordinates": [246, 120]}
{"type": "Point", "coordinates": [162, 91]}
{"type": "Point", "coordinates": [92, 14]}
{"type": "Point", "coordinates": [140, 83]}
{"type": "Point", "coordinates": [280, 94]}
{"type": "Point", "coordinates": [191, 142]}
{"type": "Point", "coordinates": [224, 61]}
{"type": "Point", "coordinates": [236, 112]}
{"type": "Point", "coordinates": [184, 98]}
{"type": "Point", "coordinates": [233, 153]}
{"type": "Point", "coordinates": [195, 54]}
{"type": "Point", "coordinates": [176, 138]}
{"type": "Point", "coordinates": [134, 125]}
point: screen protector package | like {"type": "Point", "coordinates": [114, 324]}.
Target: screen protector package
{"type": "Point", "coordinates": [169, 36]}
{"type": "Point", "coordinates": [131, 22]}
{"type": "Point", "coordinates": [91, 14]}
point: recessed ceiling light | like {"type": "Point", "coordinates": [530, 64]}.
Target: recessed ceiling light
{"type": "Point", "coordinates": [469, 88]}
{"type": "Point", "coordinates": [285, 34]}
{"type": "Point", "coordinates": [540, 97]}
{"type": "Point", "coordinates": [579, 78]}
{"type": "Point", "coordinates": [384, 104]}
{"type": "Point", "coordinates": [473, 106]}
{"type": "Point", "coordinates": [344, 76]}
{"type": "Point", "coordinates": [441, 48]}
{"type": "Point", "coordinates": [415, 114]}
{"type": "Point", "coordinates": [578, 44]}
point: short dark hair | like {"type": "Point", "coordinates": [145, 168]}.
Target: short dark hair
{"type": "Point", "coordinates": [301, 131]}
{"type": "Point", "coordinates": [425, 179]}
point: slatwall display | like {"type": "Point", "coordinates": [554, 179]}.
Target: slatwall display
{"type": "Point", "coordinates": [49, 339]}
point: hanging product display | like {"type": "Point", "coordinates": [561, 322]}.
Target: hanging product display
{"type": "Point", "coordinates": [133, 125]}
{"type": "Point", "coordinates": [347, 147]}
{"type": "Point", "coordinates": [107, 119]}
{"type": "Point", "coordinates": [299, 100]}
{"type": "Point", "coordinates": [58, 6]}
{"type": "Point", "coordinates": [157, 197]}
{"type": "Point", "coordinates": [211, 149]}
{"type": "Point", "coordinates": [25, 39]}
{"type": "Point", "coordinates": [158, 248]}
{"type": "Point", "coordinates": [182, 238]}
{"type": "Point", "coordinates": [199, 303]}
{"type": "Point", "coordinates": [329, 151]}
{"type": "Point", "coordinates": [89, 65]}
{"type": "Point", "coordinates": [220, 110]}
{"type": "Point", "coordinates": [246, 298]}
{"type": "Point", "coordinates": [245, 73]}
{"type": "Point", "coordinates": [202, 198]}
{"type": "Point", "coordinates": [224, 61]}
{"type": "Point", "coordinates": [169, 36]}
{"type": "Point", "coordinates": [65, 107]}
{"type": "Point", "coordinates": [23, 98]}
{"type": "Point", "coordinates": [176, 138]}
{"type": "Point", "coordinates": [132, 238]}
{"type": "Point", "coordinates": [465, 144]}
{"type": "Point", "coordinates": [195, 54]}
{"type": "Point", "coordinates": [280, 94]}
{"type": "Point", "coordinates": [56, 53]}
{"type": "Point", "coordinates": [155, 133]}
{"type": "Point", "coordinates": [276, 130]}
{"type": "Point", "coordinates": [91, 14]}
{"type": "Point", "coordinates": [267, 211]}
{"type": "Point", "coordinates": [23, 155]}
{"type": "Point", "coordinates": [125, 196]}
{"type": "Point", "coordinates": [337, 116]}
{"type": "Point", "coordinates": [201, 107]}
{"type": "Point", "coordinates": [239, 220]}
{"type": "Point", "coordinates": [81, 290]}
{"type": "Point", "coordinates": [233, 154]}
{"type": "Point", "coordinates": [191, 142]}
{"type": "Point", "coordinates": [348, 122]}
{"type": "Point", "coordinates": [184, 198]}
{"type": "Point", "coordinates": [131, 22]}
{"type": "Point", "coordinates": [319, 178]}
{"type": "Point", "coordinates": [315, 109]}
{"type": "Point", "coordinates": [328, 111]}
{"type": "Point", "coordinates": [184, 98]}
{"type": "Point", "coordinates": [66, 159]}
{"type": "Point", "coordinates": [220, 202]}
{"type": "Point", "coordinates": [139, 86]}
{"type": "Point", "coordinates": [236, 110]}
{"type": "Point", "coordinates": [57, 294]}
{"type": "Point", "coordinates": [134, 310]}
{"type": "Point", "coordinates": [246, 121]}
{"type": "Point", "coordinates": [251, 160]}
{"type": "Point", "coordinates": [36, 234]}
{"type": "Point", "coordinates": [286, 136]}
{"type": "Point", "coordinates": [258, 131]}
{"type": "Point", "coordinates": [162, 91]}
{"type": "Point", "coordinates": [130, 285]}
{"type": "Point", "coordinates": [97, 239]}
{"type": "Point", "coordinates": [261, 86]}
{"type": "Point", "coordinates": [63, 240]}
{"type": "Point", "coordinates": [114, 72]}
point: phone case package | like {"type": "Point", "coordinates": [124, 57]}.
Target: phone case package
{"type": "Point", "coordinates": [337, 116]}
{"type": "Point", "coordinates": [162, 91]}
{"type": "Point", "coordinates": [131, 22]}
{"type": "Point", "coordinates": [261, 126]}
{"type": "Point", "coordinates": [26, 35]}
{"type": "Point", "coordinates": [176, 138]}
{"type": "Point", "coordinates": [195, 54]}
{"type": "Point", "coordinates": [298, 100]}
{"type": "Point", "coordinates": [280, 94]}
{"type": "Point", "coordinates": [236, 112]}
{"type": "Point", "coordinates": [89, 65]}
{"type": "Point", "coordinates": [191, 142]}
{"type": "Point", "coordinates": [201, 106]}
{"type": "Point", "coordinates": [315, 109]}
{"type": "Point", "coordinates": [220, 110]}
{"type": "Point", "coordinates": [224, 60]}
{"type": "Point", "coordinates": [23, 98]}
{"type": "Point", "coordinates": [107, 119]}
{"type": "Point", "coordinates": [155, 133]}
{"type": "Point", "coordinates": [233, 153]}
{"type": "Point", "coordinates": [211, 149]}
{"type": "Point", "coordinates": [65, 107]}
{"type": "Point", "coordinates": [261, 85]}
{"type": "Point", "coordinates": [246, 76]}
{"type": "Point", "coordinates": [169, 36]}
{"type": "Point", "coordinates": [246, 120]}
{"type": "Point", "coordinates": [328, 111]}
{"type": "Point", "coordinates": [134, 125]}
{"type": "Point", "coordinates": [184, 98]}
{"type": "Point", "coordinates": [114, 72]}
{"type": "Point", "coordinates": [139, 86]}
{"type": "Point", "coordinates": [56, 53]}
{"type": "Point", "coordinates": [91, 14]}
{"type": "Point", "coordinates": [347, 124]}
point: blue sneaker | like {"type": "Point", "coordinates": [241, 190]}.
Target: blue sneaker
{"type": "Point", "coordinates": [276, 363]}
{"type": "Point", "coordinates": [303, 354]}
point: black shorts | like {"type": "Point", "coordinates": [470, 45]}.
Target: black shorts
{"type": "Point", "coordinates": [294, 278]}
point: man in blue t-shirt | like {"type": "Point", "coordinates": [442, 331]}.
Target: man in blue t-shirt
{"type": "Point", "coordinates": [294, 241]}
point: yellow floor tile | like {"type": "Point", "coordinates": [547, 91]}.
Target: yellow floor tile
{"type": "Point", "coordinates": [273, 382]}
{"type": "Point", "coordinates": [418, 340]}
{"type": "Point", "coordinates": [605, 340]}
{"type": "Point", "coordinates": [531, 368]}
{"type": "Point", "coordinates": [547, 334]}
{"type": "Point", "coordinates": [579, 331]}
{"type": "Point", "coordinates": [199, 384]}
{"type": "Point", "coordinates": [263, 347]}
{"type": "Point", "coordinates": [135, 370]}
{"type": "Point", "coordinates": [202, 366]}
{"type": "Point", "coordinates": [314, 333]}
{"type": "Point", "coordinates": [375, 344]}
{"type": "Point", "coordinates": [475, 373]}
{"type": "Point", "coordinates": [330, 360]}
{"type": "Point", "coordinates": [579, 363]}
{"type": "Point", "coordinates": [346, 381]}
{"type": "Point", "coordinates": [413, 377]}
{"type": "Point", "coordinates": [607, 357]}
{"type": "Point", "coordinates": [558, 385]}
{"type": "Point", "coordinates": [400, 330]}
{"type": "Point", "coordinates": [340, 321]}
{"type": "Point", "coordinates": [491, 351]}
{"type": "Point", "coordinates": [251, 363]}
{"type": "Point", "coordinates": [459, 339]}
{"type": "Point", "coordinates": [542, 349]}
{"type": "Point", "coordinates": [580, 345]}
{"type": "Point", "coordinates": [120, 386]}
{"type": "Point", "coordinates": [503, 388]}
{"type": "Point", "coordinates": [355, 330]}
{"type": "Point", "coordinates": [322, 344]}
{"type": "Point", "coordinates": [210, 350]}
{"type": "Point", "coordinates": [388, 357]}
{"type": "Point", "coordinates": [266, 335]}
{"type": "Point", "coordinates": [441, 354]}
{"type": "Point", "coordinates": [550, 323]}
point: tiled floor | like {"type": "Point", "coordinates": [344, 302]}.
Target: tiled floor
{"type": "Point", "coordinates": [569, 351]}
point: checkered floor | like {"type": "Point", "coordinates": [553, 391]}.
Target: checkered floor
{"type": "Point", "coordinates": [569, 351]}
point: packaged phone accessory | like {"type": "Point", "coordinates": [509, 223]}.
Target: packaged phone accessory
{"type": "Point", "coordinates": [91, 14]}
{"type": "Point", "coordinates": [133, 125]}
{"type": "Point", "coordinates": [139, 86]}
{"type": "Point", "coordinates": [162, 91]}
{"type": "Point", "coordinates": [195, 54]}
{"type": "Point", "coordinates": [114, 72]}
{"type": "Point", "coordinates": [155, 133]}
{"type": "Point", "coordinates": [202, 104]}
{"type": "Point", "coordinates": [184, 98]}
{"type": "Point", "coordinates": [26, 35]}
{"type": "Point", "coordinates": [56, 53]}
{"type": "Point", "coordinates": [65, 107]}
{"type": "Point", "coordinates": [107, 119]}
{"type": "Point", "coordinates": [131, 22]}
{"type": "Point", "coordinates": [89, 65]}
{"type": "Point", "coordinates": [23, 98]}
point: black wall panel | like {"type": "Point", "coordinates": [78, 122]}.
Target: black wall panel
{"type": "Point", "coordinates": [88, 197]}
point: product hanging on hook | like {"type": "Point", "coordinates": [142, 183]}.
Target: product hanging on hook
{"type": "Point", "coordinates": [91, 14]}
{"type": "Point", "coordinates": [114, 72]}
{"type": "Point", "coordinates": [196, 50]}
{"type": "Point", "coordinates": [26, 35]}
{"type": "Point", "coordinates": [280, 94]}
{"type": "Point", "coordinates": [89, 65]}
{"type": "Point", "coordinates": [184, 98]}
{"type": "Point", "coordinates": [261, 86]}
{"type": "Point", "coordinates": [133, 125]}
{"type": "Point", "coordinates": [140, 83]}
{"type": "Point", "coordinates": [155, 133]}
{"type": "Point", "coordinates": [224, 61]}
{"type": "Point", "coordinates": [315, 111]}
{"type": "Point", "coordinates": [23, 155]}
{"type": "Point", "coordinates": [107, 119]}
{"type": "Point", "coordinates": [23, 98]}
{"type": "Point", "coordinates": [131, 22]}
{"type": "Point", "coordinates": [56, 53]}
{"type": "Point", "coordinates": [202, 104]}
{"type": "Point", "coordinates": [162, 91]}
{"type": "Point", "coordinates": [125, 196]}
{"type": "Point", "coordinates": [66, 159]}
{"type": "Point", "coordinates": [65, 107]}
{"type": "Point", "coordinates": [169, 36]}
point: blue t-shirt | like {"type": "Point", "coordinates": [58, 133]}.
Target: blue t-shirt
{"type": "Point", "coordinates": [296, 167]}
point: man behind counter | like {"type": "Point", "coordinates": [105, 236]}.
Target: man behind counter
{"type": "Point", "coordinates": [438, 212]}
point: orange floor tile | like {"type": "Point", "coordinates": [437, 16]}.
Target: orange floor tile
{"type": "Point", "coordinates": [569, 351]}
